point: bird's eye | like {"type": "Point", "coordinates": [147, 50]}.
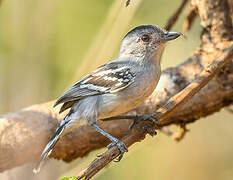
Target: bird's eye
{"type": "Point", "coordinates": [145, 38]}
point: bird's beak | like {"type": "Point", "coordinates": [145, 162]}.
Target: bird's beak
{"type": "Point", "coordinates": [170, 35]}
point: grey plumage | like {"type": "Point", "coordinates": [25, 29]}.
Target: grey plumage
{"type": "Point", "coordinates": [116, 87]}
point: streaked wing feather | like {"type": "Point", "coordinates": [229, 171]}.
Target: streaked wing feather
{"type": "Point", "coordinates": [75, 93]}
{"type": "Point", "coordinates": [110, 78]}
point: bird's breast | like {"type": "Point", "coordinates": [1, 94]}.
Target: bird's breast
{"type": "Point", "coordinates": [129, 98]}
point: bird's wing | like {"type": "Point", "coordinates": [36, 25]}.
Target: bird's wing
{"type": "Point", "coordinates": [109, 78]}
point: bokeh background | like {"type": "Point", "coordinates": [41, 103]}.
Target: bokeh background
{"type": "Point", "coordinates": [45, 46]}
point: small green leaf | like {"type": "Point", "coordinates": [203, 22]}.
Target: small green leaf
{"type": "Point", "coordinates": [65, 178]}
{"type": "Point", "coordinates": [70, 178]}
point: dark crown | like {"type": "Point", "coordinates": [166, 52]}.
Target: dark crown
{"type": "Point", "coordinates": [142, 28]}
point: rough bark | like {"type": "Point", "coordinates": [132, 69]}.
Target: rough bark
{"type": "Point", "coordinates": [23, 134]}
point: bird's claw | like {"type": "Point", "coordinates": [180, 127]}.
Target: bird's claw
{"type": "Point", "coordinates": [144, 117]}
{"type": "Point", "coordinates": [122, 148]}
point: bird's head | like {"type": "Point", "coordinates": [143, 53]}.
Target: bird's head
{"type": "Point", "coordinates": [145, 42]}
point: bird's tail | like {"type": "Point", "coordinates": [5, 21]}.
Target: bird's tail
{"type": "Point", "coordinates": [49, 147]}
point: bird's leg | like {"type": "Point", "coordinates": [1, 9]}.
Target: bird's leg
{"type": "Point", "coordinates": [119, 117]}
{"type": "Point", "coordinates": [136, 119]}
{"type": "Point", "coordinates": [121, 146]}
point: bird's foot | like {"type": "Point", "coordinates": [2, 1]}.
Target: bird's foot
{"type": "Point", "coordinates": [146, 117]}
{"type": "Point", "coordinates": [122, 148]}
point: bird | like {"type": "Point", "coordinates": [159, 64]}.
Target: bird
{"type": "Point", "coordinates": [114, 88]}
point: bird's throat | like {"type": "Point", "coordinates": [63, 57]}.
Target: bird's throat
{"type": "Point", "coordinates": [156, 58]}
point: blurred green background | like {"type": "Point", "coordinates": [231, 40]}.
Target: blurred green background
{"type": "Point", "coordinates": [45, 46]}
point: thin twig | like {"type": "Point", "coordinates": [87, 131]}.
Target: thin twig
{"type": "Point", "coordinates": [177, 136]}
{"type": "Point", "coordinates": [172, 20]}
{"type": "Point", "coordinates": [181, 133]}
{"type": "Point", "coordinates": [127, 3]}
{"type": "Point", "coordinates": [189, 19]}
{"type": "Point", "coordinates": [162, 114]}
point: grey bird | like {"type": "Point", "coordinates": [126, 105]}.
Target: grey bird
{"type": "Point", "coordinates": [116, 87]}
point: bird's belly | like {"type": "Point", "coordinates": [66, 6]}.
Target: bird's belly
{"type": "Point", "coordinates": [116, 104]}
{"type": "Point", "coordinates": [115, 107]}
